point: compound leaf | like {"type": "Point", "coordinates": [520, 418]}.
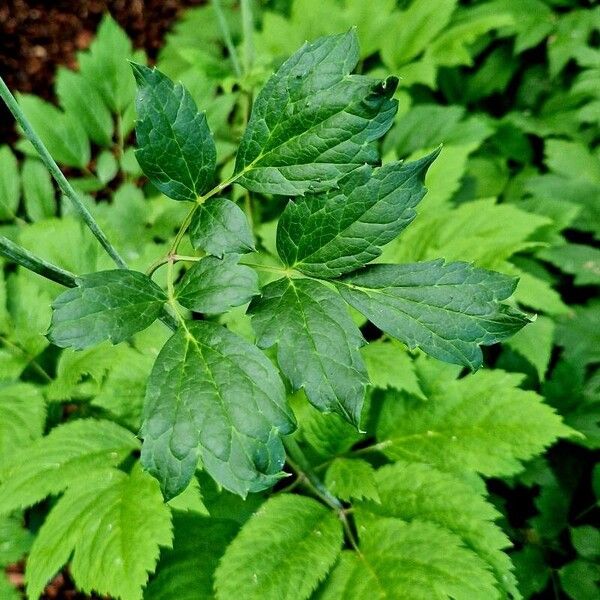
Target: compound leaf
{"type": "Point", "coordinates": [351, 478]}
{"type": "Point", "coordinates": [113, 525]}
{"type": "Point", "coordinates": [483, 422]}
{"type": "Point", "coordinates": [107, 305]}
{"type": "Point", "coordinates": [175, 146]}
{"type": "Point", "coordinates": [314, 122]}
{"type": "Point", "coordinates": [220, 227]}
{"type": "Point", "coordinates": [338, 232]}
{"type": "Point", "coordinates": [283, 551]}
{"type": "Point", "coordinates": [52, 463]}
{"type": "Point", "coordinates": [306, 320]}
{"type": "Point", "coordinates": [214, 285]}
{"type": "Point", "coordinates": [447, 310]}
{"type": "Point", "coordinates": [213, 395]}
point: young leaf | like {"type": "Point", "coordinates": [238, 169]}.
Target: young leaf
{"type": "Point", "coordinates": [53, 463]}
{"type": "Point", "coordinates": [283, 551]}
{"type": "Point", "coordinates": [338, 232]}
{"type": "Point", "coordinates": [220, 227]}
{"type": "Point", "coordinates": [313, 122]}
{"type": "Point", "coordinates": [107, 305]}
{"type": "Point", "coordinates": [215, 285]}
{"type": "Point", "coordinates": [175, 146]}
{"type": "Point", "coordinates": [38, 191]}
{"type": "Point", "coordinates": [483, 422]}
{"type": "Point", "coordinates": [113, 525]}
{"type": "Point", "coordinates": [420, 492]}
{"type": "Point", "coordinates": [410, 560]}
{"type": "Point", "coordinates": [307, 320]}
{"type": "Point", "coordinates": [213, 395]}
{"type": "Point", "coordinates": [448, 310]}
{"type": "Point", "coordinates": [187, 571]}
{"type": "Point", "coordinates": [351, 478]}
{"type": "Point", "coordinates": [534, 343]}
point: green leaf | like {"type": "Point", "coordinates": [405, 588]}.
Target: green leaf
{"type": "Point", "coordinates": [580, 579]}
{"type": "Point", "coordinates": [79, 96]}
{"type": "Point", "coordinates": [175, 146]}
{"type": "Point", "coordinates": [483, 422]}
{"type": "Point", "coordinates": [38, 191]}
{"type": "Point", "coordinates": [107, 305]}
{"type": "Point", "coordinates": [220, 227]}
{"type": "Point", "coordinates": [419, 492]}
{"type": "Point", "coordinates": [390, 366]}
{"type": "Point", "coordinates": [534, 343]}
{"type": "Point", "coordinates": [448, 310]}
{"type": "Point", "coordinates": [283, 551]}
{"type": "Point", "coordinates": [7, 590]}
{"type": "Point", "coordinates": [351, 478]}
{"type": "Point", "coordinates": [53, 463]}
{"type": "Point", "coordinates": [16, 541]}
{"type": "Point", "coordinates": [187, 571]}
{"type": "Point", "coordinates": [338, 232]}
{"type": "Point", "coordinates": [213, 395]}
{"type": "Point", "coordinates": [9, 184]}
{"type": "Point", "coordinates": [576, 259]}
{"type": "Point", "coordinates": [22, 419]}
{"type": "Point", "coordinates": [306, 320]}
{"type": "Point", "coordinates": [410, 560]}
{"type": "Point", "coordinates": [586, 540]}
{"type": "Point", "coordinates": [113, 525]}
{"type": "Point", "coordinates": [214, 285]}
{"type": "Point", "coordinates": [62, 134]}
{"type": "Point", "coordinates": [313, 122]}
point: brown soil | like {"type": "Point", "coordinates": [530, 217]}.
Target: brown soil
{"type": "Point", "coordinates": [38, 35]}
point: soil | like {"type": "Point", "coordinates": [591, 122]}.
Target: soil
{"type": "Point", "coordinates": [37, 36]}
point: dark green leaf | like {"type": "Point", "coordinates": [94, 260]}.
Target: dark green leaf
{"type": "Point", "coordinates": [447, 310]}
{"type": "Point", "coordinates": [314, 122]}
{"type": "Point", "coordinates": [317, 343]}
{"type": "Point", "coordinates": [338, 232]}
{"type": "Point", "coordinates": [213, 395]}
{"type": "Point", "coordinates": [220, 227]}
{"type": "Point", "coordinates": [107, 305]}
{"type": "Point", "coordinates": [175, 146]}
{"type": "Point", "coordinates": [214, 285]}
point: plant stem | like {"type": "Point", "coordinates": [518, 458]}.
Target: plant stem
{"type": "Point", "coordinates": [34, 263]}
{"type": "Point", "coordinates": [227, 37]}
{"type": "Point", "coordinates": [63, 184]}
{"type": "Point", "coordinates": [32, 362]}
{"type": "Point", "coordinates": [248, 32]}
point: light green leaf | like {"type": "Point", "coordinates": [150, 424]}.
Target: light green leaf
{"type": "Point", "coordinates": [107, 305]}
{"type": "Point", "coordinates": [448, 310]}
{"type": "Point", "coordinates": [175, 146]}
{"type": "Point", "coordinates": [313, 122]}
{"type": "Point", "coordinates": [410, 560]}
{"type": "Point", "coordinates": [38, 191]}
{"type": "Point", "coordinates": [53, 463]}
{"type": "Point", "coordinates": [186, 572]}
{"type": "Point", "coordinates": [418, 492]}
{"type": "Point", "coordinates": [190, 499]}
{"type": "Point", "coordinates": [15, 541]}
{"type": "Point", "coordinates": [534, 343]}
{"type": "Point", "coordinates": [9, 184]}
{"type": "Point", "coordinates": [306, 320]}
{"type": "Point", "coordinates": [351, 478]}
{"type": "Point", "coordinates": [22, 418]}
{"type": "Point", "coordinates": [332, 234]}
{"type": "Point", "coordinates": [390, 366]}
{"type": "Point", "coordinates": [576, 259]}
{"type": "Point", "coordinates": [213, 395]}
{"type": "Point", "coordinates": [214, 285]}
{"type": "Point", "coordinates": [220, 227]}
{"type": "Point", "coordinates": [107, 167]}
{"type": "Point", "coordinates": [483, 422]}
{"type": "Point", "coordinates": [283, 551]}
{"type": "Point", "coordinates": [113, 525]}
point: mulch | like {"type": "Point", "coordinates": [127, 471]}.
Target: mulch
{"type": "Point", "coordinates": [37, 36]}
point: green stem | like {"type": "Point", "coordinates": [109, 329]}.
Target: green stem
{"type": "Point", "coordinates": [34, 263]}
{"type": "Point", "coordinates": [63, 184]}
{"type": "Point", "coordinates": [248, 32]}
{"type": "Point", "coordinates": [227, 37]}
{"type": "Point", "coordinates": [33, 363]}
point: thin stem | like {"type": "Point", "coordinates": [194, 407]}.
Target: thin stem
{"type": "Point", "coordinates": [184, 227]}
{"type": "Point", "coordinates": [248, 32]}
{"type": "Point", "coordinates": [63, 184]}
{"type": "Point", "coordinates": [36, 264]}
{"type": "Point", "coordinates": [36, 366]}
{"type": "Point", "coordinates": [226, 33]}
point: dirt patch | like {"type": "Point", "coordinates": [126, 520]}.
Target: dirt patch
{"type": "Point", "coordinates": [37, 36]}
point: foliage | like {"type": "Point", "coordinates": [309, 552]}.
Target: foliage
{"type": "Point", "coordinates": [305, 435]}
